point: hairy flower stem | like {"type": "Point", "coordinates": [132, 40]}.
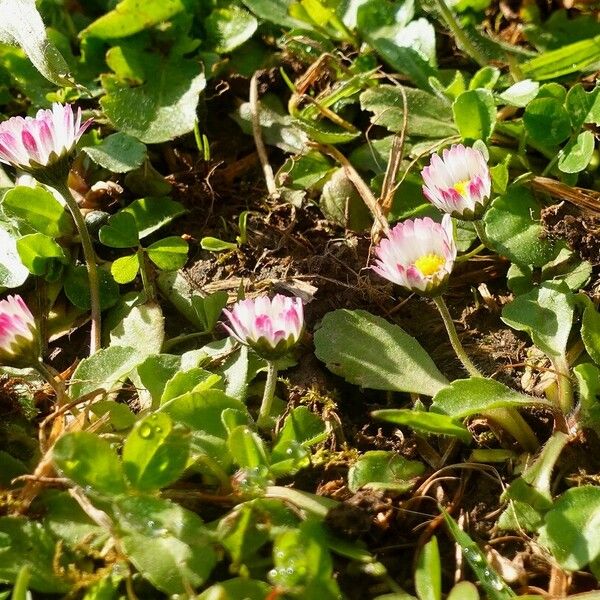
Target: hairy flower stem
{"type": "Point", "coordinates": [508, 418]}
{"type": "Point", "coordinates": [53, 382]}
{"type": "Point", "coordinates": [454, 339]}
{"type": "Point", "coordinates": [463, 40]}
{"type": "Point", "coordinates": [483, 238]}
{"type": "Point", "coordinates": [265, 408]}
{"type": "Point", "coordinates": [90, 261]}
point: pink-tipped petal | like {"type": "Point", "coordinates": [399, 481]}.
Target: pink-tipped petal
{"type": "Point", "coordinates": [458, 182]}
{"type": "Point", "coordinates": [417, 254]}
{"type": "Point", "coordinates": [37, 141]}
{"type": "Point", "coordinates": [19, 340]}
{"type": "Point", "coordinates": [269, 326]}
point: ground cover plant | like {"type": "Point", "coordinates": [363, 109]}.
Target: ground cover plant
{"type": "Point", "coordinates": [299, 299]}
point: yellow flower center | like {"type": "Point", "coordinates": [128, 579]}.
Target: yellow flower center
{"type": "Point", "coordinates": [430, 264]}
{"type": "Point", "coordinates": [461, 187]}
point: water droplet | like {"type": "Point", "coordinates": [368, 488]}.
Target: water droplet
{"type": "Point", "coordinates": [146, 431]}
{"type": "Point", "coordinates": [497, 584]}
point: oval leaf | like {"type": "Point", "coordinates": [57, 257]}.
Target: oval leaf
{"type": "Point", "coordinates": [368, 351]}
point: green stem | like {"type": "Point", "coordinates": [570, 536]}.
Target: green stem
{"type": "Point", "coordinates": [146, 280]}
{"type": "Point", "coordinates": [184, 337]}
{"type": "Point", "coordinates": [508, 418]}
{"type": "Point", "coordinates": [511, 421]}
{"type": "Point", "coordinates": [466, 44]}
{"type": "Point", "coordinates": [268, 395]}
{"type": "Point", "coordinates": [90, 261]}
{"type": "Point", "coordinates": [454, 339]}
{"type": "Point", "coordinates": [53, 382]}
{"type": "Point", "coordinates": [565, 387]}
{"type": "Point", "coordinates": [468, 255]}
{"type": "Point", "coordinates": [483, 238]}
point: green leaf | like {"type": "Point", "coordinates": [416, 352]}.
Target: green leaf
{"type": "Point", "coordinates": [13, 273]}
{"type": "Point", "coordinates": [570, 529]}
{"type": "Point", "coordinates": [464, 590]}
{"type": "Point", "coordinates": [493, 585]}
{"type": "Point", "coordinates": [103, 370]}
{"type": "Point", "coordinates": [274, 11]}
{"type": "Point", "coordinates": [301, 426]}
{"type": "Point", "coordinates": [485, 78]}
{"type": "Point", "coordinates": [125, 269]}
{"type": "Point", "coordinates": [533, 488]}
{"type": "Point", "coordinates": [201, 412]}
{"type": "Point", "coordinates": [120, 231]}
{"type": "Point", "coordinates": [119, 153]}
{"type": "Point", "coordinates": [576, 155]}
{"type": "Point", "coordinates": [209, 308]}
{"type": "Point", "coordinates": [89, 461]}
{"type": "Point", "coordinates": [156, 371]}
{"type": "Point", "coordinates": [466, 397]}
{"type": "Point", "coordinates": [154, 455]}
{"type": "Point", "coordinates": [475, 114]}
{"type": "Point", "coordinates": [567, 267]}
{"type": "Point", "coordinates": [546, 314]}
{"type": "Point", "coordinates": [513, 228]}
{"type": "Point", "coordinates": [213, 244]}
{"type": "Point", "coordinates": [302, 562]}
{"type": "Point", "coordinates": [132, 16]}
{"type": "Point", "coordinates": [193, 380]}
{"type": "Point", "coordinates": [21, 23]}
{"type": "Point", "coordinates": [428, 572]}
{"type": "Point", "coordinates": [325, 132]}
{"type": "Point", "coordinates": [38, 209]}
{"type": "Point", "coordinates": [276, 124]}
{"type": "Point", "coordinates": [341, 203]}
{"type": "Point", "coordinates": [588, 383]}
{"type": "Point", "coordinates": [65, 519]}
{"type": "Point", "coordinates": [521, 93]}
{"type": "Point", "coordinates": [228, 28]}
{"type": "Point", "coordinates": [579, 103]}
{"type": "Point", "coordinates": [247, 448]}
{"type": "Point", "coordinates": [428, 115]}
{"type": "Point", "coordinates": [152, 213]}
{"type": "Point", "coordinates": [77, 288]}
{"type": "Point", "coordinates": [41, 254]}
{"type": "Point", "coordinates": [408, 46]}
{"type": "Point", "coordinates": [368, 351]}
{"type": "Point", "coordinates": [168, 544]}
{"type": "Point", "coordinates": [175, 286]}
{"type": "Point", "coordinates": [143, 322]}
{"type": "Point", "coordinates": [27, 542]}
{"type": "Point", "coordinates": [563, 61]}
{"type": "Point", "coordinates": [305, 171]}
{"type": "Point", "coordinates": [424, 422]}
{"type": "Point", "coordinates": [590, 331]}
{"type": "Point", "coordinates": [120, 415]}
{"type": "Point", "coordinates": [382, 470]}
{"type": "Point", "coordinates": [163, 107]}
{"type": "Point", "coordinates": [243, 532]}
{"type": "Point", "coordinates": [168, 254]}
{"type": "Point", "coordinates": [236, 589]}
{"type": "Point", "coordinates": [547, 121]}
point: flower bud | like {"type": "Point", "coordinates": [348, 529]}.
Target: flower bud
{"type": "Point", "coordinates": [19, 338]}
{"type": "Point", "coordinates": [458, 184]}
{"type": "Point", "coordinates": [270, 327]}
